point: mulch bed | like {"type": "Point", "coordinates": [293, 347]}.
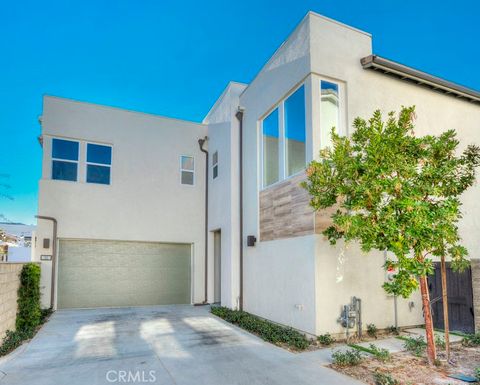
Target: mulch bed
{"type": "Point", "coordinates": [410, 370]}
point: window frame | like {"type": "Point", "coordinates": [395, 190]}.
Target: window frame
{"type": "Point", "coordinates": [193, 171]}
{"type": "Point", "coordinates": [282, 153]}
{"type": "Point", "coordinates": [53, 159]}
{"type": "Point", "coordinates": [87, 163]}
{"type": "Point", "coordinates": [214, 164]}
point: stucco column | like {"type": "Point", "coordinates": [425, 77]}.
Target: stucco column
{"type": "Point", "coordinates": [475, 263]}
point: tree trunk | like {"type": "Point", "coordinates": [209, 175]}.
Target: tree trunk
{"type": "Point", "coordinates": [431, 351]}
{"type": "Point", "coordinates": [445, 306]}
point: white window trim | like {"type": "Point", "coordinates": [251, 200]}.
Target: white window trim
{"type": "Point", "coordinates": [64, 160]}
{"type": "Point", "coordinates": [187, 170]}
{"type": "Point", "coordinates": [282, 165]}
{"type": "Point", "coordinates": [213, 166]}
{"type": "Point", "coordinates": [85, 150]}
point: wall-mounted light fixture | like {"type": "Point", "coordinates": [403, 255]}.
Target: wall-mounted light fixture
{"type": "Point", "coordinates": [251, 239]}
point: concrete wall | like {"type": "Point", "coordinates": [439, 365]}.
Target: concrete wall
{"type": "Point", "coordinates": [145, 200]}
{"type": "Point", "coordinates": [9, 284]}
{"type": "Point", "coordinates": [475, 264]}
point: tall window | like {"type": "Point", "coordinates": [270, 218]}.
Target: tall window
{"type": "Point", "coordinates": [270, 148]}
{"type": "Point", "coordinates": [215, 164]}
{"type": "Point", "coordinates": [99, 163]}
{"type": "Point", "coordinates": [329, 112]}
{"type": "Point", "coordinates": [295, 145]}
{"type": "Point", "coordinates": [64, 159]}
{"type": "Point", "coordinates": [187, 170]}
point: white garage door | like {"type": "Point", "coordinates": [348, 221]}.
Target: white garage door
{"type": "Point", "coordinates": [94, 273]}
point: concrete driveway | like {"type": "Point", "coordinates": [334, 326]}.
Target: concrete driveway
{"type": "Point", "coordinates": [159, 345]}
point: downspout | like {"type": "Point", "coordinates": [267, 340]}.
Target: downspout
{"type": "Point", "coordinates": [239, 116]}
{"type": "Point", "coordinates": [54, 256]}
{"type": "Point", "coordinates": [201, 142]}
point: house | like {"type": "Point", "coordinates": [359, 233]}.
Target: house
{"type": "Point", "coordinates": [137, 209]}
{"type": "Point", "coordinates": [17, 242]}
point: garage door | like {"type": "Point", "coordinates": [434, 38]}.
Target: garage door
{"type": "Point", "coordinates": [95, 273]}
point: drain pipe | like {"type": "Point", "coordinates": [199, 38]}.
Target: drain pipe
{"type": "Point", "coordinates": [54, 256]}
{"type": "Point", "coordinates": [201, 143]}
{"type": "Point", "coordinates": [239, 116]}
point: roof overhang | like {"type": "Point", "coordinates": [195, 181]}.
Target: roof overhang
{"type": "Point", "coordinates": [403, 72]}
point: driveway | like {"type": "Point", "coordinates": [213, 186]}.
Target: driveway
{"type": "Point", "coordinates": [159, 345]}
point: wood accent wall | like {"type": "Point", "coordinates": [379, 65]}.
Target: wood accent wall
{"type": "Point", "coordinates": [285, 211]}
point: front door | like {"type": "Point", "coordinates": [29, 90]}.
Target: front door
{"type": "Point", "coordinates": [217, 247]}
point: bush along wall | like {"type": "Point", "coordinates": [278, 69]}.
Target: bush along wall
{"type": "Point", "coordinates": [29, 313]}
{"type": "Point", "coordinates": [266, 330]}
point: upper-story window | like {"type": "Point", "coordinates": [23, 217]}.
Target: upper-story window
{"type": "Point", "coordinates": [270, 139]}
{"type": "Point", "coordinates": [215, 164]}
{"type": "Point", "coordinates": [284, 139]}
{"type": "Point", "coordinates": [187, 170]}
{"type": "Point", "coordinates": [99, 163]}
{"type": "Point", "coordinates": [64, 159]}
{"type": "Point", "coordinates": [295, 145]}
{"type": "Point", "coordinates": [329, 111]}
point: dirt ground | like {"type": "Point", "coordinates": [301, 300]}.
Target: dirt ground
{"type": "Point", "coordinates": [411, 370]}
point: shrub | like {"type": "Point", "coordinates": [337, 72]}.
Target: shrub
{"type": "Point", "coordinates": [14, 339]}
{"type": "Point", "coordinates": [416, 346]}
{"type": "Point", "coordinates": [266, 330]}
{"type": "Point", "coordinates": [372, 330]}
{"type": "Point", "coordinates": [29, 313]}
{"type": "Point", "coordinates": [350, 357]}
{"type": "Point", "coordinates": [384, 379]}
{"type": "Point", "coordinates": [326, 339]}
{"type": "Point", "coordinates": [471, 340]}
{"type": "Point", "coordinates": [477, 374]}
{"type": "Point", "coordinates": [393, 330]}
{"type": "Point", "coordinates": [440, 341]}
{"type": "Point", "coordinates": [381, 354]}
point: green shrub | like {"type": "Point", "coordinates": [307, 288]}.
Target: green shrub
{"type": "Point", "coordinates": [381, 354]}
{"type": "Point", "coordinates": [326, 339]}
{"type": "Point", "coordinates": [477, 374]}
{"type": "Point", "coordinates": [29, 313]}
{"type": "Point", "coordinates": [350, 357]}
{"type": "Point", "coordinates": [393, 330]}
{"type": "Point", "coordinates": [471, 340]}
{"type": "Point", "coordinates": [12, 340]}
{"type": "Point", "coordinates": [384, 379]}
{"type": "Point", "coordinates": [266, 330]}
{"type": "Point", "coordinates": [416, 346]}
{"type": "Point", "coordinates": [372, 330]}
{"type": "Point", "coordinates": [440, 342]}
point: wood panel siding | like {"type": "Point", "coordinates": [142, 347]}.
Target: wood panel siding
{"type": "Point", "coordinates": [285, 211]}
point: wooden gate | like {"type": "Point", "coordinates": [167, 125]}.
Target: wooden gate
{"type": "Point", "coordinates": [460, 299]}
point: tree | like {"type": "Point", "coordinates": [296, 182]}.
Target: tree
{"type": "Point", "coordinates": [396, 192]}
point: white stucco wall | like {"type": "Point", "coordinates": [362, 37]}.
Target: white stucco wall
{"type": "Point", "coordinates": [224, 215]}
{"type": "Point", "coordinates": [145, 200]}
{"type": "Point", "coordinates": [320, 48]}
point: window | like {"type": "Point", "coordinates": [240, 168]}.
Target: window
{"type": "Point", "coordinates": [270, 148]}
{"type": "Point", "coordinates": [99, 163]}
{"type": "Point", "coordinates": [64, 159]}
{"type": "Point", "coordinates": [215, 164]}
{"type": "Point", "coordinates": [329, 112]}
{"type": "Point", "coordinates": [295, 145]}
{"type": "Point", "coordinates": [187, 168]}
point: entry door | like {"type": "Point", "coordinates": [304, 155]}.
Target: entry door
{"type": "Point", "coordinates": [460, 299]}
{"type": "Point", "coordinates": [217, 247]}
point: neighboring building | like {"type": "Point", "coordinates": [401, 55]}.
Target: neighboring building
{"type": "Point", "coordinates": [128, 190]}
{"type": "Point", "coordinates": [17, 246]}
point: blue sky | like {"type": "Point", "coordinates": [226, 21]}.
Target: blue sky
{"type": "Point", "coordinates": [175, 57]}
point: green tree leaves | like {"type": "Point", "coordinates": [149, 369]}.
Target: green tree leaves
{"type": "Point", "coordinates": [395, 192]}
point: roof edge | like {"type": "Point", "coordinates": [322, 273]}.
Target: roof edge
{"type": "Point", "coordinates": [404, 72]}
